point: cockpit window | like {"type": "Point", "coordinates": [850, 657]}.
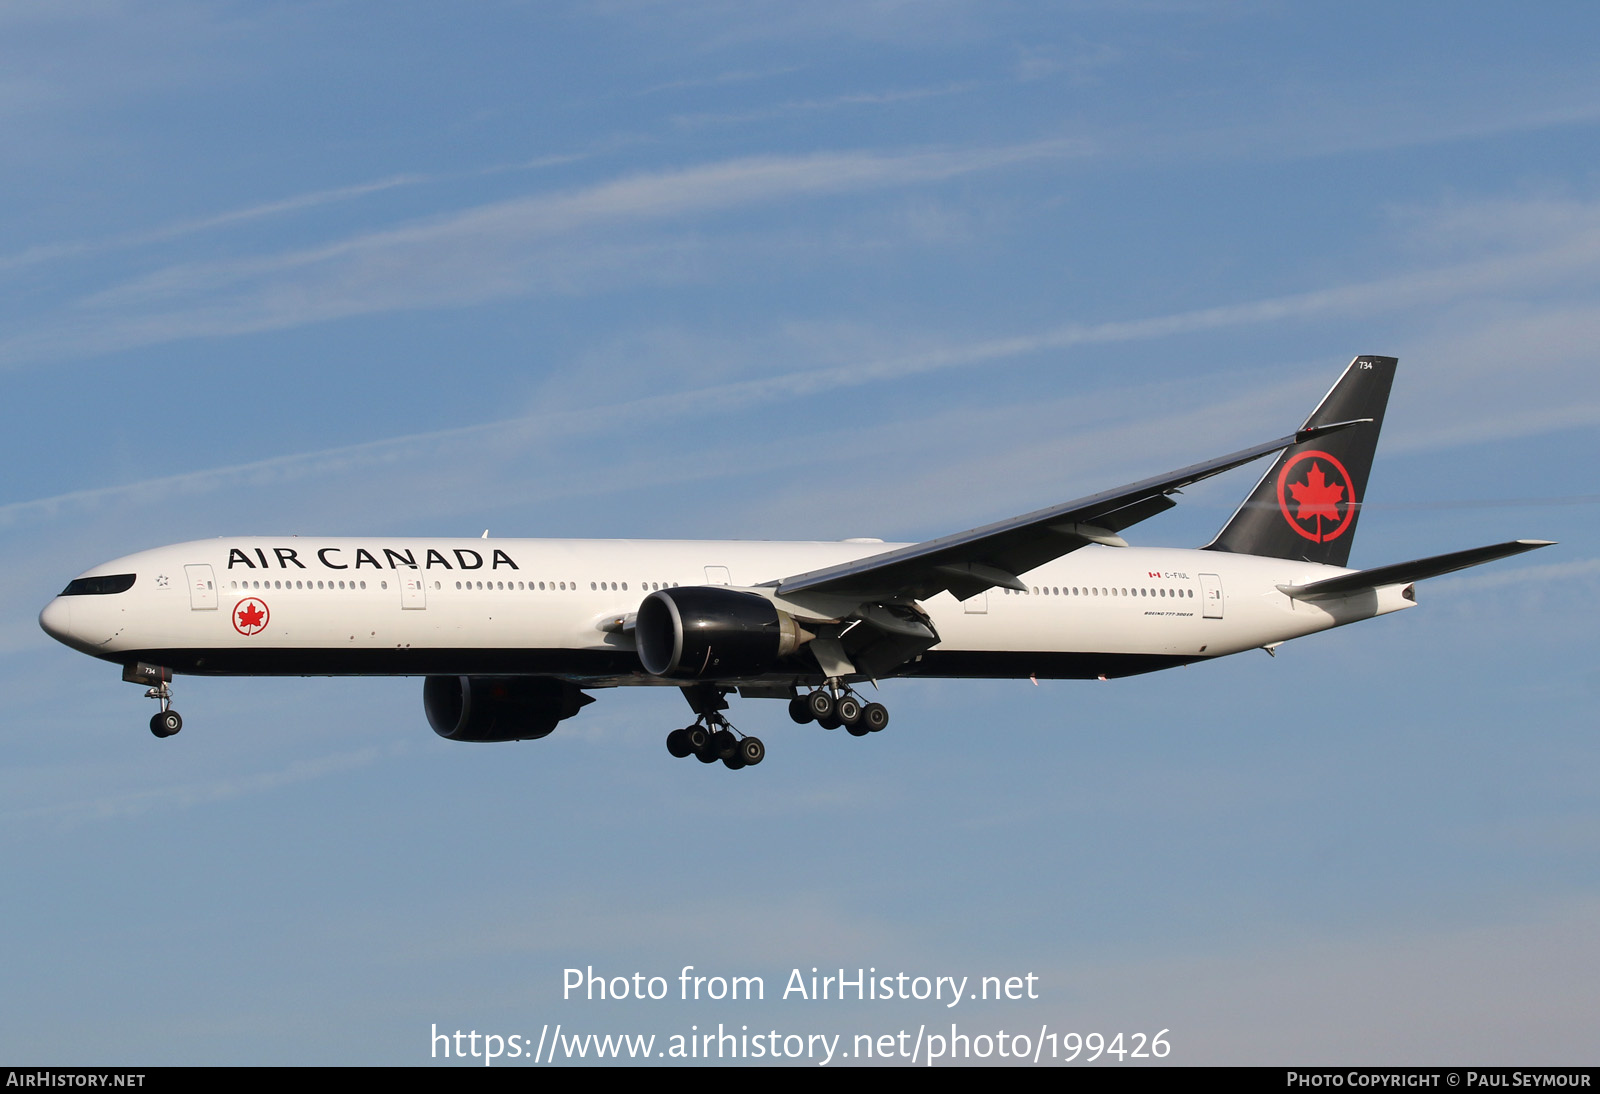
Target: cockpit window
{"type": "Point", "coordinates": [99, 586]}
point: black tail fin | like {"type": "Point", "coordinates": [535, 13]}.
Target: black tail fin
{"type": "Point", "coordinates": [1307, 505]}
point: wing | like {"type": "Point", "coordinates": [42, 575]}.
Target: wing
{"type": "Point", "coordinates": [967, 563]}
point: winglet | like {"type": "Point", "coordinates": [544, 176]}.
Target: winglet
{"type": "Point", "coordinates": [1310, 431]}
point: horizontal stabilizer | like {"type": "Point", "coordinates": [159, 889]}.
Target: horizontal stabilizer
{"type": "Point", "coordinates": [1402, 573]}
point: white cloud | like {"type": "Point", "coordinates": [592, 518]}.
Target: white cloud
{"type": "Point", "coordinates": [483, 253]}
{"type": "Point", "coordinates": [1456, 409]}
{"type": "Point", "coordinates": [121, 805]}
{"type": "Point", "coordinates": [737, 76]}
{"type": "Point", "coordinates": [834, 102]}
{"type": "Point", "coordinates": [1553, 573]}
{"type": "Point", "coordinates": [51, 252]}
{"type": "Point", "coordinates": [734, 23]}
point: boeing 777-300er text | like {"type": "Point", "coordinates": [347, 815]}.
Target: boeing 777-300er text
{"type": "Point", "coordinates": [510, 633]}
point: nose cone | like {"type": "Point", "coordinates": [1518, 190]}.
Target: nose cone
{"type": "Point", "coordinates": [56, 619]}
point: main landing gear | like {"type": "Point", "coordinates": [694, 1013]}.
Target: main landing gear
{"type": "Point", "coordinates": [717, 741]}
{"type": "Point", "coordinates": [711, 737]}
{"type": "Point", "coordinates": [832, 706]}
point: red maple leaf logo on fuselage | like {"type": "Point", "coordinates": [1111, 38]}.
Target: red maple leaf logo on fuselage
{"type": "Point", "coordinates": [250, 616]}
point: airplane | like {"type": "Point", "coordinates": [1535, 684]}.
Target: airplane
{"type": "Point", "coordinates": [509, 633]}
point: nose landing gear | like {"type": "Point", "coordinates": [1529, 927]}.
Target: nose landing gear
{"type": "Point", "coordinates": [165, 721]}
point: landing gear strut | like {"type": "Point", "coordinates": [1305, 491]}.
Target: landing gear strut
{"type": "Point", "coordinates": [712, 737]}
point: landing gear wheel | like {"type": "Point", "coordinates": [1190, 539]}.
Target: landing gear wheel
{"type": "Point", "coordinates": [678, 743]}
{"type": "Point", "coordinates": [732, 763]}
{"type": "Point", "coordinates": [723, 743]}
{"type": "Point", "coordinates": [858, 729]}
{"type": "Point", "coordinates": [707, 756]}
{"type": "Point", "coordinates": [751, 751]}
{"type": "Point", "coordinates": [848, 710]}
{"type": "Point", "coordinates": [874, 716]}
{"type": "Point", "coordinates": [830, 722]}
{"type": "Point", "coordinates": [165, 723]}
{"type": "Point", "coordinates": [821, 704]}
{"type": "Point", "coordinates": [800, 709]}
{"type": "Point", "coordinates": [697, 737]}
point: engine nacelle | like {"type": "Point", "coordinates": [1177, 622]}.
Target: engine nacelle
{"type": "Point", "coordinates": [706, 632]}
{"type": "Point", "coordinates": [499, 708]}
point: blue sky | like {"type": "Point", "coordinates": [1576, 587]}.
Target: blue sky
{"type": "Point", "coordinates": [706, 269]}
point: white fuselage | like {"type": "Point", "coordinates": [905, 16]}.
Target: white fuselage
{"type": "Point", "coordinates": [369, 606]}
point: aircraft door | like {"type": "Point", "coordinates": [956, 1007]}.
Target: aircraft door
{"type": "Point", "coordinates": [976, 605]}
{"type": "Point", "coordinates": [718, 575]}
{"type": "Point", "coordinates": [413, 589]}
{"type": "Point", "coordinates": [202, 587]}
{"type": "Point", "coordinates": [1211, 594]}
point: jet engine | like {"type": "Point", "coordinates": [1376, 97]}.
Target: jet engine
{"type": "Point", "coordinates": [499, 708]}
{"type": "Point", "coordinates": [706, 632]}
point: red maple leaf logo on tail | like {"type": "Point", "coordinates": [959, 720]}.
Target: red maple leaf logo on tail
{"type": "Point", "coordinates": [1316, 499]}
{"type": "Point", "coordinates": [1316, 496]}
